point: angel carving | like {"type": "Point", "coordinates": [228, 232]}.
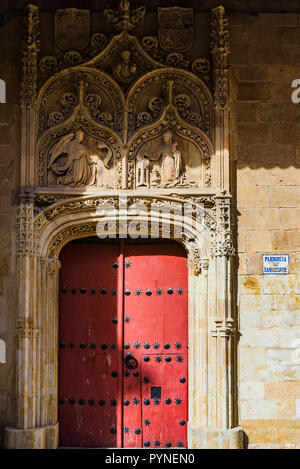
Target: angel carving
{"type": "Point", "coordinates": [82, 163]}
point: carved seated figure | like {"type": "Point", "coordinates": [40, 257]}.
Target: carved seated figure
{"type": "Point", "coordinates": [166, 162]}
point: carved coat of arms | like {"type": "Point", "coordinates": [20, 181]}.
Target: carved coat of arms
{"type": "Point", "coordinates": [72, 29]}
{"type": "Point", "coordinates": [176, 29]}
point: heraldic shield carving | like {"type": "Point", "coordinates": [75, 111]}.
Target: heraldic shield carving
{"type": "Point", "coordinates": [176, 30]}
{"type": "Point", "coordinates": [72, 28]}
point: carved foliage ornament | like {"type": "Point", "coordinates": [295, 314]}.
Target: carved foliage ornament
{"type": "Point", "coordinates": [30, 52]}
{"type": "Point", "coordinates": [220, 50]}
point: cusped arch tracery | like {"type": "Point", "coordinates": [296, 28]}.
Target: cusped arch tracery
{"type": "Point", "coordinates": [188, 221]}
{"type": "Point", "coordinates": [79, 152]}
{"type": "Point", "coordinates": [148, 96]}
{"type": "Point", "coordinates": [169, 153]}
{"type": "Point", "coordinates": [61, 93]}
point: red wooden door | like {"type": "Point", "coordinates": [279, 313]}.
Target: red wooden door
{"type": "Point", "coordinates": [123, 345]}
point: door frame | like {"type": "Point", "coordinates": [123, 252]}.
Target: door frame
{"type": "Point", "coordinates": [212, 413]}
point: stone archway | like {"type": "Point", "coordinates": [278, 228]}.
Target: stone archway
{"type": "Point", "coordinates": [211, 332]}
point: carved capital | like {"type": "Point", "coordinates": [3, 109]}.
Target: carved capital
{"type": "Point", "coordinates": [223, 328]}
{"type": "Point", "coordinates": [30, 53]}
{"type": "Point", "coordinates": [52, 265]}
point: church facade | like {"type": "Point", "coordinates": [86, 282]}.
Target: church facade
{"type": "Point", "coordinates": [150, 252]}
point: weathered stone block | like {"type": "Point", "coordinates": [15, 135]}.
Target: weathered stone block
{"type": "Point", "coordinates": [246, 111]}
{"type": "Point", "coordinates": [258, 241]}
{"type": "Point", "coordinates": [265, 409]}
{"type": "Point", "coordinates": [281, 284]}
{"type": "Point", "coordinates": [249, 91]}
{"type": "Point", "coordinates": [252, 389]}
{"type": "Point", "coordinates": [279, 176]}
{"type": "Point", "coordinates": [285, 196]}
{"type": "Point", "coordinates": [250, 285]}
{"type": "Point", "coordinates": [269, 112]}
{"type": "Point", "coordinates": [259, 218]}
{"type": "Point", "coordinates": [252, 196]}
{"type": "Point", "coordinates": [289, 218]}
{"type": "Point", "coordinates": [246, 175]}
{"type": "Point", "coordinates": [271, 154]}
{"type": "Point", "coordinates": [289, 390]}
{"type": "Point", "coordinates": [254, 73]}
{"type": "Point", "coordinates": [285, 240]}
{"type": "Point", "coordinates": [271, 431]}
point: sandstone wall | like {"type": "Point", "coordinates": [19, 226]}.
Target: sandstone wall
{"type": "Point", "coordinates": [266, 143]}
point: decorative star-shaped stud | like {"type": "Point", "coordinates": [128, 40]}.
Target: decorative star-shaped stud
{"type": "Point", "coordinates": [146, 380]}
{"type": "Point", "coordinates": [147, 422]}
{"type": "Point", "coordinates": [158, 359]}
{"type": "Point", "coordinates": [113, 402]}
{"type": "Point", "coordinates": [156, 401]}
{"type": "Point", "coordinates": [135, 401]}
{"type": "Point", "coordinates": [126, 374]}
{"type": "Point", "coordinates": [114, 292]}
{"type": "Point", "coordinates": [179, 358]}
{"type": "Point", "coordinates": [179, 291]}
{"type": "Point", "coordinates": [157, 443]}
{"type": "Point", "coordinates": [137, 345]}
{"type": "Point", "coordinates": [159, 291]}
{"type": "Point", "coordinates": [178, 345]}
{"type": "Point", "coordinates": [128, 264]}
{"type": "Point", "coordinates": [138, 292]}
{"type": "Point", "coordinates": [178, 401]}
{"type": "Point", "coordinates": [127, 319]}
{"type": "Point", "coordinates": [126, 429]}
{"type": "Point", "coordinates": [180, 444]}
{"type": "Point", "coordinates": [156, 345]}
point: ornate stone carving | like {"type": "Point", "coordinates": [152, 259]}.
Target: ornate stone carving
{"type": "Point", "coordinates": [124, 19]}
{"type": "Point", "coordinates": [176, 32]}
{"type": "Point", "coordinates": [197, 151]}
{"type": "Point", "coordinates": [201, 67]}
{"type": "Point", "coordinates": [165, 163]}
{"type": "Point", "coordinates": [100, 96]}
{"type": "Point", "coordinates": [220, 50]}
{"type": "Point", "coordinates": [24, 230]}
{"type": "Point", "coordinates": [195, 109]}
{"type": "Point", "coordinates": [98, 42]}
{"type": "Point", "coordinates": [52, 265]}
{"type": "Point", "coordinates": [126, 70]}
{"type": "Point", "coordinates": [82, 165]}
{"type": "Point", "coordinates": [72, 28]}
{"type": "Point", "coordinates": [30, 52]}
{"type": "Point", "coordinates": [222, 241]}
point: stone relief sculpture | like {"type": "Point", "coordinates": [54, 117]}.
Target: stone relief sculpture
{"type": "Point", "coordinates": [126, 70]}
{"type": "Point", "coordinates": [165, 163]}
{"type": "Point", "coordinates": [78, 161]}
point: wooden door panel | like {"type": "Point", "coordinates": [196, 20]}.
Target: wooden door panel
{"type": "Point", "coordinates": [89, 356]}
{"type": "Point", "coordinates": [155, 313]}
